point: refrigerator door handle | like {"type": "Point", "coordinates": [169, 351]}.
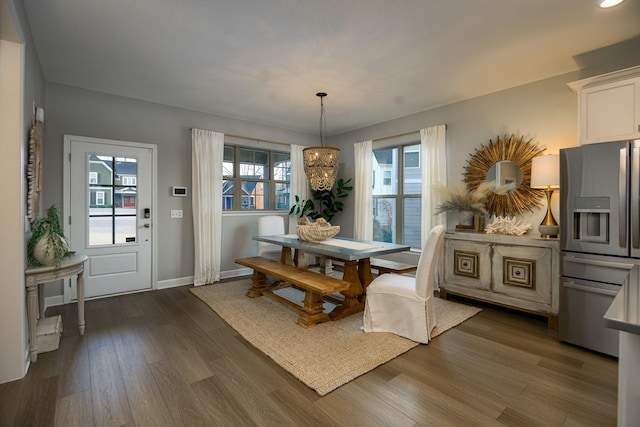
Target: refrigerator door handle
{"type": "Point", "coordinates": [599, 263]}
{"type": "Point", "coordinates": [622, 198]}
{"type": "Point", "coordinates": [591, 289]}
{"type": "Point", "coordinates": [635, 196]}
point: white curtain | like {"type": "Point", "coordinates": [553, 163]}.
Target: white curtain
{"type": "Point", "coordinates": [299, 183]}
{"type": "Point", "coordinates": [206, 181]}
{"type": "Point", "coordinates": [363, 212]}
{"type": "Point", "coordinates": [434, 171]}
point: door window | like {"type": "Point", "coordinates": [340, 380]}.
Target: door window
{"type": "Point", "coordinates": [112, 200]}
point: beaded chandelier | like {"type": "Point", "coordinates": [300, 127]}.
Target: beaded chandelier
{"type": "Point", "coordinates": [321, 162]}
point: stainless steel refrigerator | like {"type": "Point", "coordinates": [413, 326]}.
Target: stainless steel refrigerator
{"type": "Point", "coordinates": [599, 237]}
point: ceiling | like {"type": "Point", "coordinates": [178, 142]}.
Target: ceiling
{"type": "Point", "coordinates": [264, 60]}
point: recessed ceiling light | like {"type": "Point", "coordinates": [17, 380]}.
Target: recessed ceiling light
{"type": "Point", "coordinates": [605, 4]}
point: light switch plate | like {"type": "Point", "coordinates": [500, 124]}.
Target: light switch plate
{"type": "Point", "coordinates": [176, 213]}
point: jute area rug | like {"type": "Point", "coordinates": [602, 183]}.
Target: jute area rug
{"type": "Point", "coordinates": [325, 356]}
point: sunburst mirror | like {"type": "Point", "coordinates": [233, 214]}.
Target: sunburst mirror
{"type": "Point", "coordinates": [507, 161]}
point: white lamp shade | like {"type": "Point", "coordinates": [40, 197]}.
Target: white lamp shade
{"type": "Point", "coordinates": [545, 171]}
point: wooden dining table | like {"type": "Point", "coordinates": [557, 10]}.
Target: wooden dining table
{"type": "Point", "coordinates": [354, 253]}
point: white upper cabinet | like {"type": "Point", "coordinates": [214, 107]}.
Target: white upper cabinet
{"type": "Point", "coordinates": [609, 107]}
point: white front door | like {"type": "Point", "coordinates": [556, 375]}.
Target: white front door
{"type": "Point", "coordinates": [109, 201]}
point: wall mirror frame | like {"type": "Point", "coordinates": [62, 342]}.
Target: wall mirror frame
{"type": "Point", "coordinates": [513, 149]}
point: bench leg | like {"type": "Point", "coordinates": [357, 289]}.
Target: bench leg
{"type": "Point", "coordinates": [258, 284]}
{"type": "Point", "coordinates": [313, 311]}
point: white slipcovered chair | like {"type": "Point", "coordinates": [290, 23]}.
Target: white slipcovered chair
{"type": "Point", "coordinates": [404, 305]}
{"type": "Point", "coordinates": [269, 225]}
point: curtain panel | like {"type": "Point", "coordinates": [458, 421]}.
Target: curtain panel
{"type": "Point", "coordinates": [299, 186]}
{"type": "Point", "coordinates": [206, 181]}
{"type": "Point", "coordinates": [434, 171]}
{"type": "Point", "coordinates": [363, 212]}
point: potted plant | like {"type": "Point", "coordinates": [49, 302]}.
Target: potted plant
{"type": "Point", "coordinates": [330, 203]}
{"type": "Point", "coordinates": [467, 202]}
{"type": "Point", "coordinates": [47, 244]}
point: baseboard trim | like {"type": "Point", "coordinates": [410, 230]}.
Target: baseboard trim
{"type": "Point", "coordinates": [172, 283]}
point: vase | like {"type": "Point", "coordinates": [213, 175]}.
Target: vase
{"type": "Point", "coordinates": [466, 218]}
{"type": "Point", "coordinates": [43, 252]}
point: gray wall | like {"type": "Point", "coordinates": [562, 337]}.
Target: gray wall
{"type": "Point", "coordinates": [76, 111]}
{"type": "Point", "coordinates": [545, 111]}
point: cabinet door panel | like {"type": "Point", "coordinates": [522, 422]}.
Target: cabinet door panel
{"type": "Point", "coordinates": [468, 264]}
{"type": "Point", "coordinates": [522, 272]}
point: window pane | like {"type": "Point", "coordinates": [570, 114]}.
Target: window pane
{"type": "Point", "coordinates": [100, 197]}
{"type": "Point", "coordinates": [227, 195]}
{"type": "Point", "coordinates": [125, 200]}
{"type": "Point", "coordinates": [254, 164]}
{"type": "Point", "coordinates": [282, 196]}
{"type": "Point", "coordinates": [227, 163]}
{"type": "Point", "coordinates": [125, 229]}
{"type": "Point", "coordinates": [384, 219]}
{"type": "Point", "coordinates": [412, 171]}
{"type": "Point", "coordinates": [100, 230]}
{"type": "Point", "coordinates": [411, 224]}
{"type": "Point", "coordinates": [282, 166]}
{"type": "Point", "coordinates": [385, 171]}
{"type": "Point", "coordinates": [255, 195]}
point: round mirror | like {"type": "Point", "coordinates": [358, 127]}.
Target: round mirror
{"type": "Point", "coordinates": [507, 176]}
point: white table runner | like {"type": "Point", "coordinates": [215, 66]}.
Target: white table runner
{"type": "Point", "coordinates": [341, 243]}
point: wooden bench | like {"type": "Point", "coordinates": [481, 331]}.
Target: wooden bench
{"type": "Point", "coordinates": [314, 285]}
{"type": "Point", "coordinates": [386, 266]}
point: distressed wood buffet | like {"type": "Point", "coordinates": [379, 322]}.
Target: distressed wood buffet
{"type": "Point", "coordinates": [519, 272]}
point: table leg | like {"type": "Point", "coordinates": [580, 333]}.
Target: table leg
{"type": "Point", "coordinates": [364, 272]}
{"type": "Point", "coordinates": [33, 322]}
{"type": "Point", "coordinates": [40, 300]}
{"type": "Point", "coordinates": [350, 305]}
{"type": "Point", "coordinates": [80, 291]}
{"type": "Point", "coordinates": [300, 259]}
{"type": "Point", "coordinates": [285, 256]}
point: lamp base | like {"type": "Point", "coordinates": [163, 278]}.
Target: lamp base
{"type": "Point", "coordinates": [549, 230]}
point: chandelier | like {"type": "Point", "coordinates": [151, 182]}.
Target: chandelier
{"type": "Point", "coordinates": [321, 162]}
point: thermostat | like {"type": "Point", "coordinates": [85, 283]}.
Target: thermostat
{"type": "Point", "coordinates": [179, 191]}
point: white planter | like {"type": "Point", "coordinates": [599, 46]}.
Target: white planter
{"type": "Point", "coordinates": [43, 252]}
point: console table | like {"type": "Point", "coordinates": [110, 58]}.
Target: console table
{"type": "Point", "coordinates": [519, 272]}
{"type": "Point", "coordinates": [36, 277]}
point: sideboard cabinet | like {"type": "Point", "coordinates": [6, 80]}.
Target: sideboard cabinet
{"type": "Point", "coordinates": [519, 272]}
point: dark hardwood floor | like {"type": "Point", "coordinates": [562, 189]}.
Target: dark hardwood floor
{"type": "Point", "coordinates": [163, 358]}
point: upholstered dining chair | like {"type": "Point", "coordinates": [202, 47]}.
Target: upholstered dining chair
{"type": "Point", "coordinates": [270, 225]}
{"type": "Point", "coordinates": [404, 305]}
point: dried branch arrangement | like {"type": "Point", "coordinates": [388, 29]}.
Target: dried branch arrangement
{"type": "Point", "coordinates": [508, 148]}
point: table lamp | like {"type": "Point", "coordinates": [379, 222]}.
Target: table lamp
{"type": "Point", "coordinates": [545, 174]}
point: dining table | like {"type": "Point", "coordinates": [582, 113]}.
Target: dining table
{"type": "Point", "coordinates": [354, 253]}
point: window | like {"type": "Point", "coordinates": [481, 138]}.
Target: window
{"type": "Point", "coordinates": [397, 199]}
{"type": "Point", "coordinates": [100, 198]}
{"type": "Point", "coordinates": [93, 177]}
{"type": "Point", "coordinates": [255, 179]}
{"type": "Point", "coordinates": [128, 180]}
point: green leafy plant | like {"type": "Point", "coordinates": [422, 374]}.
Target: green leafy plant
{"type": "Point", "coordinates": [460, 198]}
{"type": "Point", "coordinates": [330, 202]}
{"type": "Point", "coordinates": [56, 244]}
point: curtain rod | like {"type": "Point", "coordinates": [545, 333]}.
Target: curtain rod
{"type": "Point", "coordinates": [400, 134]}
{"type": "Point", "coordinates": [253, 139]}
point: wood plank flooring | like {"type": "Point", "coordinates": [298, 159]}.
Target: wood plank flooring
{"type": "Point", "coordinates": [163, 358]}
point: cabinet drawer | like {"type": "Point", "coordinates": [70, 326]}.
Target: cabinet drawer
{"type": "Point", "coordinates": [468, 264]}
{"type": "Point", "coordinates": [522, 272]}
